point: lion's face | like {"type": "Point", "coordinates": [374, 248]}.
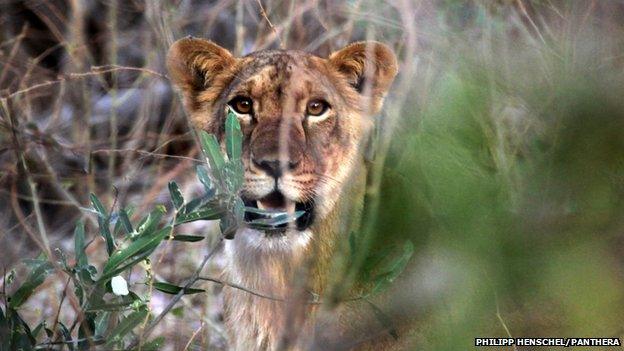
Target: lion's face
{"type": "Point", "coordinates": [304, 118]}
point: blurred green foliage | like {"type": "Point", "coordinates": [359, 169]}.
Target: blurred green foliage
{"type": "Point", "coordinates": [113, 316]}
{"type": "Point", "coordinates": [511, 186]}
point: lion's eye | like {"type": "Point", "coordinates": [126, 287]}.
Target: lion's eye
{"type": "Point", "coordinates": [316, 107]}
{"type": "Point", "coordinates": [241, 105]}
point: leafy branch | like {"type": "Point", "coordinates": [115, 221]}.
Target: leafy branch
{"type": "Point", "coordinates": [110, 314]}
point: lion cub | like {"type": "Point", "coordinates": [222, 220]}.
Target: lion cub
{"type": "Point", "coordinates": [305, 120]}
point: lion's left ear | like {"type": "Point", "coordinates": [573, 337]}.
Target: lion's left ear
{"type": "Point", "coordinates": [196, 65]}
{"type": "Point", "coordinates": [369, 66]}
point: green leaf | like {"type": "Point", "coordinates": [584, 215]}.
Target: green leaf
{"type": "Point", "coordinates": [8, 280]}
{"type": "Point", "coordinates": [176, 195]}
{"type": "Point", "coordinates": [187, 238]}
{"type": "Point", "coordinates": [202, 201]}
{"type": "Point", "coordinates": [389, 273]}
{"type": "Point", "coordinates": [36, 330]}
{"type": "Point", "coordinates": [277, 220]}
{"type": "Point", "coordinates": [66, 335]}
{"type": "Point", "coordinates": [149, 224]}
{"type": "Point", "coordinates": [103, 223]}
{"type": "Point", "coordinates": [21, 337]}
{"type": "Point", "coordinates": [85, 330]}
{"type": "Point", "coordinates": [212, 151]}
{"type": "Point", "coordinates": [101, 324]}
{"type": "Point", "coordinates": [124, 218]}
{"type": "Point", "coordinates": [35, 278]}
{"type": "Point", "coordinates": [228, 226]}
{"type": "Point", "coordinates": [234, 175]}
{"type": "Point", "coordinates": [4, 331]}
{"type": "Point", "coordinates": [384, 319]}
{"type": "Point", "coordinates": [126, 326]}
{"type": "Point", "coordinates": [209, 213]}
{"type": "Point", "coordinates": [204, 178]}
{"type": "Point", "coordinates": [97, 205]}
{"type": "Point", "coordinates": [174, 289]}
{"type": "Point", "coordinates": [137, 250]}
{"type": "Point", "coordinates": [271, 219]}
{"type": "Point", "coordinates": [178, 312]}
{"type": "Point", "coordinates": [233, 137]}
{"type": "Point", "coordinates": [238, 209]}
{"type": "Point", "coordinates": [79, 245]}
{"type": "Point", "coordinates": [106, 234]}
{"type": "Point", "coordinates": [264, 213]}
{"type": "Point", "coordinates": [122, 302]}
{"type": "Point", "coordinates": [152, 345]}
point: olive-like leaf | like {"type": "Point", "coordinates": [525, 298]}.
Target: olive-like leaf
{"type": "Point", "coordinates": [151, 345]}
{"type": "Point", "coordinates": [101, 323]}
{"type": "Point", "coordinates": [85, 331]}
{"type": "Point", "coordinates": [79, 245]}
{"type": "Point", "coordinates": [233, 137]}
{"type": "Point", "coordinates": [174, 289]}
{"type": "Point", "coordinates": [228, 225]}
{"type": "Point", "coordinates": [234, 175]}
{"type": "Point", "coordinates": [212, 151]}
{"type": "Point", "coordinates": [149, 224]}
{"type": "Point", "coordinates": [204, 178]}
{"type": "Point", "coordinates": [38, 328]}
{"type": "Point", "coordinates": [20, 335]}
{"type": "Point", "coordinates": [209, 213]}
{"type": "Point", "coordinates": [124, 218]}
{"type": "Point", "coordinates": [35, 278]}
{"type": "Point", "coordinates": [126, 326]}
{"type": "Point", "coordinates": [98, 206]}
{"type": "Point", "coordinates": [202, 201]}
{"type": "Point", "coordinates": [140, 248]}
{"type": "Point", "coordinates": [5, 330]}
{"type": "Point", "coordinates": [280, 219]}
{"type": "Point", "coordinates": [187, 238]}
{"type": "Point", "coordinates": [176, 195]}
{"type": "Point", "coordinates": [389, 273]}
{"type": "Point", "coordinates": [106, 234]}
{"type": "Point", "coordinates": [103, 223]}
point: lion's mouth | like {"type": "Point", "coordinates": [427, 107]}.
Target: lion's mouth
{"type": "Point", "coordinates": [276, 201]}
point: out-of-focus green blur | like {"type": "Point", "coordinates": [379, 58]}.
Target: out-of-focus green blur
{"type": "Point", "coordinates": [507, 173]}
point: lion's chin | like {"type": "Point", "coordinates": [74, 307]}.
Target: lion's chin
{"type": "Point", "coordinates": [254, 241]}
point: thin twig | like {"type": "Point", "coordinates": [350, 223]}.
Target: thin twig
{"type": "Point", "coordinates": [46, 345]}
{"type": "Point", "coordinates": [528, 17]}
{"type": "Point", "coordinates": [31, 184]}
{"type": "Point", "coordinates": [18, 41]}
{"type": "Point", "coordinates": [95, 71]}
{"type": "Point", "coordinates": [501, 320]}
{"type": "Point", "coordinates": [21, 218]}
{"type": "Point", "coordinates": [188, 344]}
{"type": "Point", "coordinates": [192, 280]}
{"type": "Point", "coordinates": [316, 301]}
{"type": "Point", "coordinates": [266, 17]}
{"type": "Point", "coordinates": [148, 153]}
{"type": "Point", "coordinates": [242, 288]}
{"type": "Point", "coordinates": [58, 310]}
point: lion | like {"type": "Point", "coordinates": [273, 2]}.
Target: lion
{"type": "Point", "coordinates": [306, 121]}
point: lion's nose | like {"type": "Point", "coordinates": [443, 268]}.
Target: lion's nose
{"type": "Point", "coordinates": [274, 167]}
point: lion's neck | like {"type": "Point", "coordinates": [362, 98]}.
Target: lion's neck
{"type": "Point", "coordinates": [293, 270]}
{"type": "Point", "coordinates": [281, 270]}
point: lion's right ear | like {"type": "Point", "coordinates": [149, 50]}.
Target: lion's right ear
{"type": "Point", "coordinates": [195, 66]}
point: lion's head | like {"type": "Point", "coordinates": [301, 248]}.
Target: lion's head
{"type": "Point", "coordinates": [304, 118]}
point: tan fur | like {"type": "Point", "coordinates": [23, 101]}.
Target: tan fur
{"type": "Point", "coordinates": [328, 168]}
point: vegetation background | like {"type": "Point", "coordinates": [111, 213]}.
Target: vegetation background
{"type": "Point", "coordinates": [501, 156]}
